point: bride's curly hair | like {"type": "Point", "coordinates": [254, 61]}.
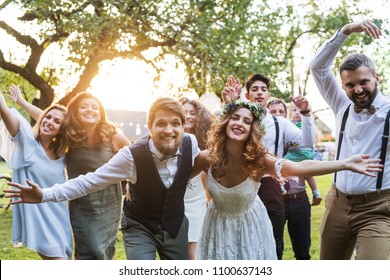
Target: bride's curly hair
{"type": "Point", "coordinates": [254, 154]}
{"type": "Point", "coordinates": [75, 133]}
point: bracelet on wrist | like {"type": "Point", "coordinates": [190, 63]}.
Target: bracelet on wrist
{"type": "Point", "coordinates": [304, 112]}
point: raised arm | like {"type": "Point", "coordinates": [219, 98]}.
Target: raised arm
{"type": "Point", "coordinates": [320, 66]}
{"type": "Point", "coordinates": [16, 96]}
{"type": "Point", "coordinates": [308, 128]}
{"type": "Point", "coordinates": [232, 89]}
{"type": "Point", "coordinates": [10, 121]}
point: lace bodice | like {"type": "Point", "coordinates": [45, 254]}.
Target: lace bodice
{"type": "Point", "coordinates": [234, 200]}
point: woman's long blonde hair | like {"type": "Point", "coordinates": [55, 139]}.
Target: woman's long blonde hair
{"type": "Point", "coordinates": [253, 162]}
{"type": "Point", "coordinates": [58, 143]}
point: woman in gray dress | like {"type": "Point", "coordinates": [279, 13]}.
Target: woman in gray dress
{"type": "Point", "coordinates": [92, 142]}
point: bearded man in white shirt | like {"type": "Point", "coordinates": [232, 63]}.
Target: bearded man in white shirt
{"type": "Point", "coordinates": [357, 214]}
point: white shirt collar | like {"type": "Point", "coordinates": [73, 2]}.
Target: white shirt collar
{"type": "Point", "coordinates": [379, 100]}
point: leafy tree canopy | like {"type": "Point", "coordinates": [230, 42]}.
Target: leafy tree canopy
{"type": "Point", "coordinates": [212, 38]}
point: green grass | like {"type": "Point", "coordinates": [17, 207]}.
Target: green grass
{"type": "Point", "coordinates": [8, 252]}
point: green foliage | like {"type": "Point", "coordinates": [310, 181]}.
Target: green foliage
{"type": "Point", "coordinates": [212, 38]}
{"type": "Point", "coordinates": [8, 78]}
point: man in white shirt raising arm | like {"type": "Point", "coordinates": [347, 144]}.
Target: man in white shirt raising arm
{"type": "Point", "coordinates": [357, 213]}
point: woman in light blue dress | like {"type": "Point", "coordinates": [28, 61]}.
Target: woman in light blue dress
{"type": "Point", "coordinates": [37, 154]}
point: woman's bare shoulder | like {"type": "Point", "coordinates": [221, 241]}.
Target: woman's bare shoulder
{"type": "Point", "coordinates": [119, 140]}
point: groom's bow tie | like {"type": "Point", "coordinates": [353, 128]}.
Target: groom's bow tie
{"type": "Point", "coordinates": [169, 157]}
{"type": "Point", "coordinates": [371, 109]}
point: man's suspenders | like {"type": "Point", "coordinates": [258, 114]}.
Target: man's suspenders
{"type": "Point", "coordinates": [276, 135]}
{"type": "Point", "coordinates": [385, 138]}
{"type": "Point", "coordinates": [341, 133]}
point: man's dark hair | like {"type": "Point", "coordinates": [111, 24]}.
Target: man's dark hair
{"type": "Point", "coordinates": [256, 77]}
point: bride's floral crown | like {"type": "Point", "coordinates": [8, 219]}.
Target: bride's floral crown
{"type": "Point", "coordinates": [257, 110]}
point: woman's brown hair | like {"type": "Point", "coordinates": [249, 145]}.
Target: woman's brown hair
{"type": "Point", "coordinates": [75, 133]}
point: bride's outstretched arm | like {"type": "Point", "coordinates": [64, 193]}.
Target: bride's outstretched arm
{"type": "Point", "coordinates": [362, 164]}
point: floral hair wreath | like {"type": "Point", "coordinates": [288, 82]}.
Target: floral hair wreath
{"type": "Point", "coordinates": [257, 110]}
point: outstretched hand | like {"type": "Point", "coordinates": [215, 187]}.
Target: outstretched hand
{"type": "Point", "coordinates": [370, 28]}
{"type": "Point", "coordinates": [232, 89]}
{"type": "Point", "coordinates": [32, 194]}
{"type": "Point", "coordinates": [364, 164]}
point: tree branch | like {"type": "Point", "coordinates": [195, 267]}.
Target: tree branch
{"type": "Point", "coordinates": [47, 92]}
{"type": "Point", "coordinates": [23, 39]}
{"type": "Point", "coordinates": [5, 4]}
{"type": "Point", "coordinates": [294, 42]}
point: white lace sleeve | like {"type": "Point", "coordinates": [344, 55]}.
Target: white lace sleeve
{"type": "Point", "coordinates": [278, 170]}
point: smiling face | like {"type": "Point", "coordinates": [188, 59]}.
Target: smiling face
{"type": "Point", "coordinates": [258, 92]}
{"type": "Point", "coordinates": [239, 125]}
{"type": "Point", "coordinates": [51, 123]}
{"type": "Point", "coordinates": [88, 111]}
{"type": "Point", "coordinates": [166, 132]}
{"type": "Point", "coordinates": [190, 118]}
{"type": "Point", "coordinates": [277, 109]}
{"type": "Point", "coordinates": [360, 85]}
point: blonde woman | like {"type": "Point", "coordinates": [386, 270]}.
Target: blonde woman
{"type": "Point", "coordinates": [38, 153]}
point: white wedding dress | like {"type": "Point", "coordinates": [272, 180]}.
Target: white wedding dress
{"type": "Point", "coordinates": [236, 225]}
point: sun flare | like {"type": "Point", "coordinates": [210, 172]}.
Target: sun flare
{"type": "Point", "coordinates": [124, 85]}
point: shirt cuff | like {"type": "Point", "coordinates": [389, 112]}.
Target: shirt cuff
{"type": "Point", "coordinates": [305, 116]}
{"type": "Point", "coordinates": [338, 38]}
{"type": "Point", "coordinates": [47, 195]}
